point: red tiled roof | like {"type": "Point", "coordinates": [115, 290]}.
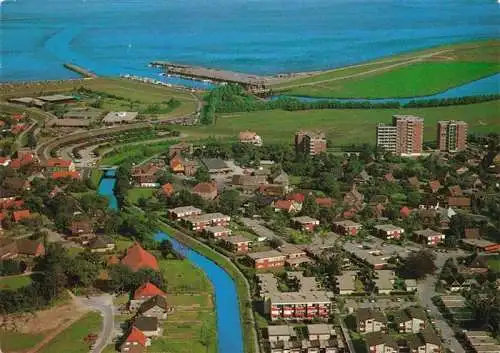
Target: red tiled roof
{"type": "Point", "coordinates": [283, 204]}
{"type": "Point", "coordinates": [20, 215]}
{"type": "Point", "coordinates": [138, 258]}
{"type": "Point", "coordinates": [65, 174]}
{"type": "Point", "coordinates": [4, 160]}
{"type": "Point", "coordinates": [205, 188]}
{"type": "Point", "coordinates": [434, 185]}
{"type": "Point", "coordinates": [18, 116]}
{"type": "Point", "coordinates": [2, 217]}
{"type": "Point", "coordinates": [297, 197]}
{"type": "Point", "coordinates": [136, 335]}
{"type": "Point", "coordinates": [57, 162]}
{"type": "Point", "coordinates": [168, 189]}
{"type": "Point", "coordinates": [324, 201]}
{"type": "Point", "coordinates": [389, 177]}
{"type": "Point", "coordinates": [459, 201]}
{"type": "Point", "coordinates": [148, 290]}
{"type": "Point", "coordinates": [11, 204]}
{"type": "Point", "coordinates": [15, 164]}
{"type": "Point", "coordinates": [405, 212]}
{"type": "Point", "coordinates": [455, 190]}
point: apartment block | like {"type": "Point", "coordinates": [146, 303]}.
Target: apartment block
{"type": "Point", "coordinates": [403, 137]}
{"type": "Point", "coordinates": [312, 143]}
{"type": "Point", "coordinates": [298, 306]}
{"type": "Point", "coordinates": [452, 135]}
{"type": "Point", "coordinates": [267, 259]}
{"type": "Point", "coordinates": [200, 222]}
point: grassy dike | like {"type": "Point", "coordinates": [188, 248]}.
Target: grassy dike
{"type": "Point", "coordinates": [250, 340]}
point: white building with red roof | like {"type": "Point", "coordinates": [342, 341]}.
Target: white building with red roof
{"type": "Point", "coordinates": [145, 292]}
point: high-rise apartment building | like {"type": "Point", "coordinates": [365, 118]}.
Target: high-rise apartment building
{"type": "Point", "coordinates": [403, 137]}
{"type": "Point", "coordinates": [452, 135]}
{"type": "Point", "coordinates": [311, 143]}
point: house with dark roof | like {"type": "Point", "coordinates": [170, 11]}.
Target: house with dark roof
{"type": "Point", "coordinates": [410, 320]}
{"type": "Point", "coordinates": [347, 227]}
{"type": "Point", "coordinates": [426, 341]}
{"type": "Point", "coordinates": [370, 320]}
{"type": "Point", "coordinates": [138, 258]}
{"type": "Point", "coordinates": [459, 202]}
{"type": "Point", "coordinates": [82, 229]}
{"type": "Point", "coordinates": [155, 307]}
{"type": "Point", "coordinates": [429, 237]}
{"type": "Point", "coordinates": [272, 190]}
{"type": "Point", "coordinates": [413, 182]}
{"type": "Point", "coordinates": [216, 166]}
{"type": "Point", "coordinates": [101, 243]}
{"type": "Point", "coordinates": [145, 292]}
{"type": "Point", "coordinates": [305, 223]}
{"type": "Point", "coordinates": [378, 342]}
{"type": "Point", "coordinates": [10, 249]}
{"type": "Point", "coordinates": [238, 243]}
{"type": "Point", "coordinates": [150, 326]}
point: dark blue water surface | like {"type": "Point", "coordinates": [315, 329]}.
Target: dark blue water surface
{"type": "Point", "coordinates": [260, 36]}
{"type": "Point", "coordinates": [229, 335]}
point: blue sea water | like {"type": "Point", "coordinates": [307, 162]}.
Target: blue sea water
{"type": "Point", "coordinates": [114, 37]}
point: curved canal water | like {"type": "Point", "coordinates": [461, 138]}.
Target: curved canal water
{"type": "Point", "coordinates": [229, 334]}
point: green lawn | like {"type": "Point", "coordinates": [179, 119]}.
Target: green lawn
{"type": "Point", "coordinates": [494, 263]}
{"type": "Point", "coordinates": [134, 153]}
{"type": "Point", "coordinates": [14, 341]}
{"type": "Point", "coordinates": [182, 277]}
{"type": "Point", "coordinates": [419, 79]}
{"type": "Point", "coordinates": [346, 126]}
{"type": "Point", "coordinates": [95, 177]}
{"type": "Point", "coordinates": [71, 340]}
{"type": "Point", "coordinates": [135, 194]}
{"type": "Point", "coordinates": [418, 73]}
{"type": "Point", "coordinates": [15, 282]}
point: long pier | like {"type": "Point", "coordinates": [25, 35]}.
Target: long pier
{"type": "Point", "coordinates": [80, 70]}
{"type": "Point", "coordinates": [253, 83]}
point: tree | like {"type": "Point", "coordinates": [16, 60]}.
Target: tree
{"type": "Point", "coordinates": [418, 265]}
{"type": "Point", "coordinates": [229, 202]}
{"type": "Point", "coordinates": [310, 207]}
{"type": "Point", "coordinates": [202, 175]}
{"type": "Point", "coordinates": [32, 142]}
{"type": "Point", "coordinates": [165, 248]}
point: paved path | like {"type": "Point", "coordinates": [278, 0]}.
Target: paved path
{"type": "Point", "coordinates": [103, 304]}
{"type": "Point", "coordinates": [427, 290]}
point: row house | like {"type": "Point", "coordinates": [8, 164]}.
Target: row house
{"type": "Point", "coordinates": [370, 320]}
{"type": "Point", "coordinates": [267, 259]}
{"type": "Point", "coordinates": [429, 237]}
{"type": "Point", "coordinates": [346, 283]}
{"type": "Point", "coordinates": [183, 212]}
{"type": "Point", "coordinates": [389, 231]}
{"type": "Point", "coordinates": [426, 341]}
{"type": "Point", "coordinates": [347, 227]}
{"type": "Point", "coordinates": [378, 342]}
{"type": "Point", "coordinates": [200, 222]}
{"type": "Point", "coordinates": [384, 281]}
{"type": "Point", "coordinates": [217, 232]}
{"type": "Point", "coordinates": [320, 338]}
{"type": "Point", "coordinates": [410, 320]}
{"type": "Point", "coordinates": [298, 306]}
{"type": "Point", "coordinates": [295, 256]}
{"type": "Point", "coordinates": [237, 244]}
{"type": "Point", "coordinates": [305, 223]}
{"type": "Point", "coordinates": [10, 249]}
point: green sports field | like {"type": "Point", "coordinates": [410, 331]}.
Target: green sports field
{"type": "Point", "coordinates": [346, 126]}
{"type": "Point", "coordinates": [421, 73]}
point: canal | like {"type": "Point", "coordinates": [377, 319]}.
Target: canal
{"type": "Point", "coordinates": [229, 333]}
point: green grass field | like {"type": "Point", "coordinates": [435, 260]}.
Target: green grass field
{"type": "Point", "coordinates": [419, 79]}
{"type": "Point", "coordinates": [14, 282]}
{"type": "Point", "coordinates": [419, 73]}
{"type": "Point", "coordinates": [14, 341]}
{"type": "Point", "coordinates": [71, 340]}
{"type": "Point", "coordinates": [346, 126]}
{"type": "Point", "coordinates": [134, 153]}
{"type": "Point", "coordinates": [192, 326]}
{"type": "Point", "coordinates": [494, 263]}
{"type": "Point", "coordinates": [135, 194]}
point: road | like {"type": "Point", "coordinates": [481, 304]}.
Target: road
{"type": "Point", "coordinates": [103, 304]}
{"type": "Point", "coordinates": [427, 290]}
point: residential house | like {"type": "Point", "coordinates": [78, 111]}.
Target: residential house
{"type": "Point", "coordinates": [298, 305]}
{"type": "Point", "coordinates": [184, 211]}
{"type": "Point", "coordinates": [179, 149]}
{"type": "Point", "coordinates": [200, 222]}
{"type": "Point", "coordinates": [282, 179]}
{"type": "Point", "coordinates": [180, 165]}
{"type": "Point", "coordinates": [81, 228]}
{"type": "Point", "coordinates": [137, 258]}
{"type": "Point", "coordinates": [413, 182]}
{"type": "Point", "coordinates": [404, 212]}
{"type": "Point", "coordinates": [282, 338]}
{"type": "Point", "coordinates": [217, 232]}
{"type": "Point", "coordinates": [238, 243]}
{"type": "Point", "coordinates": [207, 191]}
{"type": "Point", "coordinates": [410, 320]}
{"type": "Point", "coordinates": [155, 307]}
{"type": "Point", "coordinates": [65, 175]}
{"type": "Point", "coordinates": [296, 197]}
{"type": "Point", "coordinates": [295, 256]}
{"type": "Point", "coordinates": [272, 190]}
{"type": "Point", "coordinates": [459, 202]}
{"type": "Point", "coordinates": [250, 137]}
{"type": "Point", "coordinates": [167, 190]}
{"type": "Point", "coordinates": [378, 205]}
{"type": "Point", "coordinates": [370, 320]}
{"type": "Point", "coordinates": [347, 227]}
{"type": "Point", "coordinates": [378, 342]}
{"type": "Point", "coordinates": [429, 237]}
{"type": "Point", "coordinates": [389, 231]}
{"type": "Point", "coordinates": [389, 178]}
{"type": "Point", "coordinates": [135, 342]}
{"type": "Point", "coordinates": [288, 206]}
{"type": "Point", "coordinates": [434, 186]}
{"type": "Point", "coordinates": [384, 281]}
{"type": "Point", "coordinates": [324, 202]}
{"type": "Point", "coordinates": [482, 245]}
{"type": "Point", "coordinates": [101, 243]}
{"type": "Point", "coordinates": [145, 292]}
{"type": "Point", "coordinates": [346, 283]}
{"type": "Point", "coordinates": [305, 223]}
{"type": "Point", "coordinates": [455, 191]}
{"type": "Point", "coordinates": [354, 198]}
{"type": "Point", "coordinates": [426, 341]}
{"type": "Point", "coordinates": [267, 259]}
{"type": "Point", "coordinates": [320, 332]}
{"type": "Point", "coordinates": [10, 249]}
{"type": "Point", "coordinates": [149, 326]}
{"type": "Point", "coordinates": [248, 183]}
{"type": "Point", "coordinates": [411, 285]}
{"type": "Point", "coordinates": [216, 166]}
{"type": "Point", "coordinates": [18, 216]}
{"type": "Point", "coordinates": [146, 175]}
{"type": "Point", "coordinates": [59, 165]}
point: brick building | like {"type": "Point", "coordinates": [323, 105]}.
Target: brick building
{"type": "Point", "coordinates": [311, 143]}
{"type": "Point", "coordinates": [298, 306]}
{"type": "Point", "coordinates": [452, 135]}
{"type": "Point", "coordinates": [267, 259]}
{"type": "Point", "coordinates": [403, 137]}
